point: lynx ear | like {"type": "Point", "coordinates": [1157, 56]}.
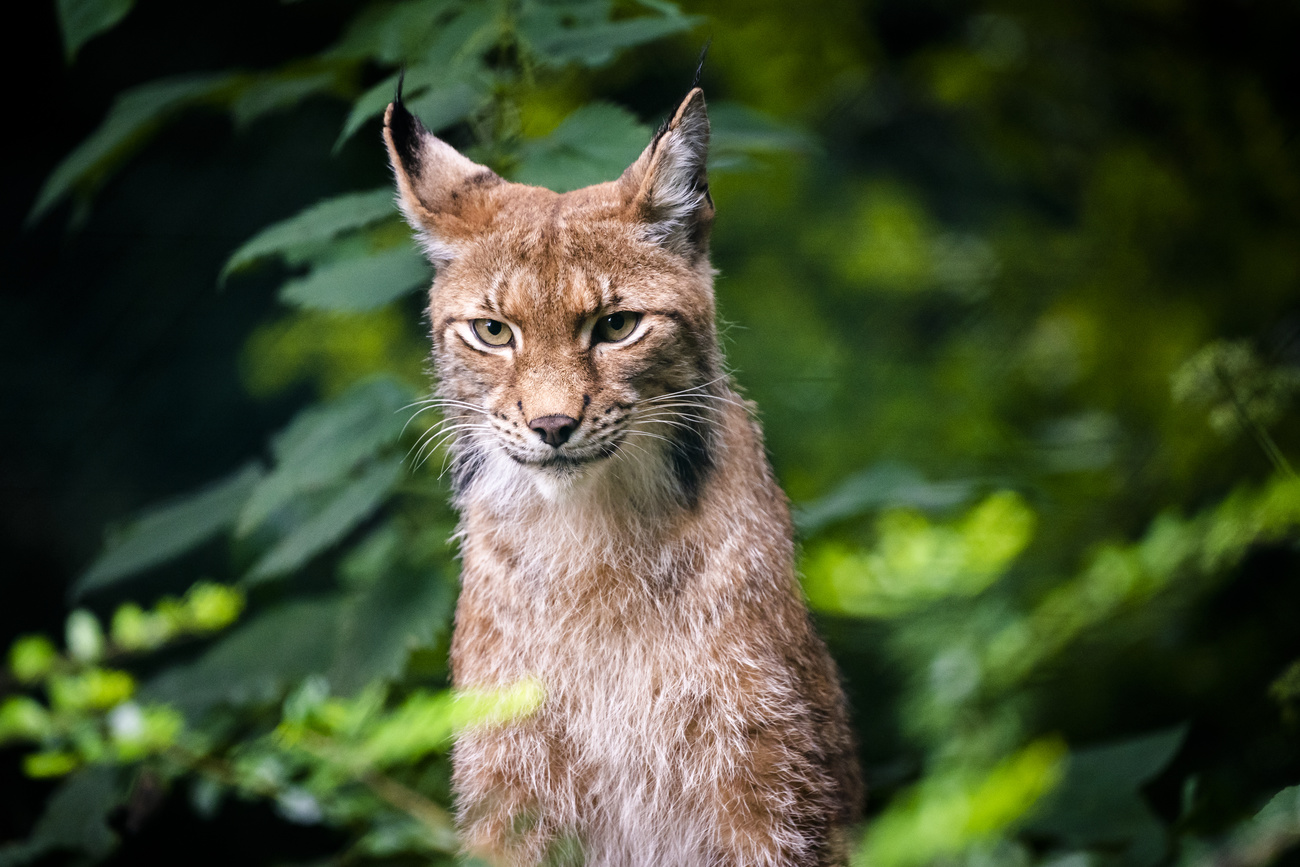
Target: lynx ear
{"type": "Point", "coordinates": [668, 187]}
{"type": "Point", "coordinates": [443, 195]}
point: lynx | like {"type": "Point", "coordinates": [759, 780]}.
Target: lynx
{"type": "Point", "coordinates": [624, 542]}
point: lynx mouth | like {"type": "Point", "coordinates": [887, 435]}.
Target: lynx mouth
{"type": "Point", "coordinates": [566, 462]}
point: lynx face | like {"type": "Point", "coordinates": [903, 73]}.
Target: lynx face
{"type": "Point", "coordinates": [573, 333]}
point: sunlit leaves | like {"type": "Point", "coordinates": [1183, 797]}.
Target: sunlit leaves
{"type": "Point", "coordinates": [93, 715]}
{"type": "Point", "coordinates": [425, 723]}
{"type": "Point", "coordinates": [204, 609]}
{"type": "Point", "coordinates": [916, 563]}
{"type": "Point", "coordinates": [93, 689]}
{"type": "Point", "coordinates": [84, 636]}
{"type": "Point", "coordinates": [1118, 577]}
{"type": "Point", "coordinates": [23, 718]}
{"type": "Point", "coordinates": [74, 680]}
{"type": "Point", "coordinates": [169, 530]}
{"type": "Point", "coordinates": [31, 658]}
{"type": "Point", "coordinates": [955, 809]}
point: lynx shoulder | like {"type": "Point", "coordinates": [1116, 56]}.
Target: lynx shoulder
{"type": "Point", "coordinates": [623, 538]}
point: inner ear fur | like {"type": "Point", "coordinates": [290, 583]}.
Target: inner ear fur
{"type": "Point", "coordinates": [441, 192]}
{"type": "Point", "coordinates": [668, 185]}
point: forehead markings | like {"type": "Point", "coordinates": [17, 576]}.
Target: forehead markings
{"type": "Point", "coordinates": [492, 298]}
{"type": "Point", "coordinates": [609, 298]}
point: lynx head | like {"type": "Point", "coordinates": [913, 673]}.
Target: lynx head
{"type": "Point", "coordinates": [573, 333]}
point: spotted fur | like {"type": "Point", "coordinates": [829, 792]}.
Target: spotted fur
{"type": "Point", "coordinates": [642, 570]}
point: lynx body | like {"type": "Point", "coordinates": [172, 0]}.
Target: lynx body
{"type": "Point", "coordinates": [623, 538]}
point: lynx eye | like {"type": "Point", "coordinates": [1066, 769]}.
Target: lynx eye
{"type": "Point", "coordinates": [492, 332]}
{"type": "Point", "coordinates": [615, 327]}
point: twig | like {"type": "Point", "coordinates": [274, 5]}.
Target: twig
{"type": "Point", "coordinates": [1261, 436]}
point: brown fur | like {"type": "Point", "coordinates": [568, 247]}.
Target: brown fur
{"type": "Point", "coordinates": [643, 570]}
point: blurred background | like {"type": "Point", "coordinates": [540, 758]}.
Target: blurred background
{"type": "Point", "coordinates": [1014, 285]}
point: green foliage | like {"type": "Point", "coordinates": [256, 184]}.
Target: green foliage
{"type": "Point", "coordinates": [297, 237]}
{"type": "Point", "coordinates": [592, 145]}
{"type": "Point", "coordinates": [135, 115]}
{"type": "Point", "coordinates": [74, 819]}
{"type": "Point", "coordinates": [1098, 804]}
{"type": "Point", "coordinates": [83, 20]}
{"type": "Point", "coordinates": [915, 563]}
{"type": "Point", "coordinates": [955, 809]}
{"type": "Point", "coordinates": [986, 315]}
{"type": "Point", "coordinates": [325, 759]}
{"type": "Point", "coordinates": [359, 284]}
{"type": "Point", "coordinates": [169, 530]}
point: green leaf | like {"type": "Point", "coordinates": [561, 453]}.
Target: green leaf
{"type": "Point", "coordinates": [74, 819]}
{"type": "Point", "coordinates": [1266, 835]}
{"type": "Point", "coordinates": [886, 484]}
{"type": "Point", "coordinates": [84, 636]}
{"type": "Point", "coordinates": [280, 90]}
{"type": "Point", "coordinates": [319, 223]}
{"type": "Point", "coordinates": [170, 530]}
{"type": "Point", "coordinates": [135, 114]}
{"type": "Point", "coordinates": [1099, 802]}
{"type": "Point", "coordinates": [427, 722]}
{"type": "Point", "coordinates": [738, 133]}
{"type": "Point", "coordinates": [325, 443]}
{"type": "Point", "coordinates": [31, 658]}
{"type": "Point", "coordinates": [393, 834]}
{"type": "Point", "coordinates": [404, 609]}
{"type": "Point", "coordinates": [348, 508]}
{"type": "Point", "coordinates": [596, 43]}
{"type": "Point", "coordinates": [397, 33]}
{"type": "Point", "coordinates": [83, 20]}
{"type": "Point", "coordinates": [256, 662]}
{"type": "Point", "coordinates": [354, 285]}
{"type": "Point", "coordinates": [595, 143]}
{"type": "Point", "coordinates": [430, 96]}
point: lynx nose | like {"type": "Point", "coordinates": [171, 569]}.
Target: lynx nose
{"type": "Point", "coordinates": [554, 429]}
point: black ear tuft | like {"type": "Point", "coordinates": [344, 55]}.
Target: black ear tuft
{"type": "Point", "coordinates": [406, 130]}
{"type": "Point", "coordinates": [699, 67]}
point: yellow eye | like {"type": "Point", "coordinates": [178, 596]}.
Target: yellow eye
{"type": "Point", "coordinates": [493, 332]}
{"type": "Point", "coordinates": [615, 327]}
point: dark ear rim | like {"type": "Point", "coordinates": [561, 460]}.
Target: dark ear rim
{"type": "Point", "coordinates": [696, 93]}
